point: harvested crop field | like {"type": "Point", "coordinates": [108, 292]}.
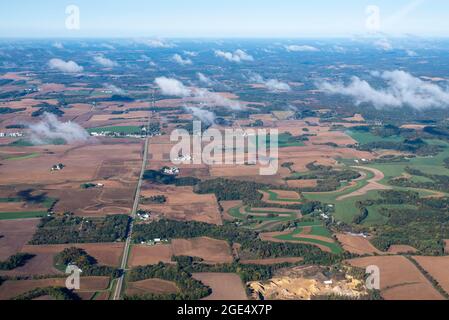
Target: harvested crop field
{"type": "Point", "coordinates": [83, 163]}
{"type": "Point", "coordinates": [142, 255]}
{"type": "Point", "coordinates": [399, 248]}
{"type": "Point", "coordinates": [399, 278]}
{"type": "Point", "coordinates": [151, 286]}
{"type": "Point", "coordinates": [12, 288]}
{"type": "Point", "coordinates": [212, 251]}
{"type": "Point", "coordinates": [337, 137]}
{"type": "Point", "coordinates": [43, 262]}
{"type": "Point", "coordinates": [437, 267]}
{"type": "Point", "coordinates": [357, 244]}
{"type": "Point", "coordinates": [115, 197]}
{"type": "Point", "coordinates": [183, 204]}
{"type": "Point", "coordinates": [16, 233]}
{"type": "Point", "coordinates": [225, 286]}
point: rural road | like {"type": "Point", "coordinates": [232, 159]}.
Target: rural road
{"type": "Point", "coordinates": [119, 286]}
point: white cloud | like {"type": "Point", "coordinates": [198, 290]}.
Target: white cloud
{"type": "Point", "coordinates": [114, 89]}
{"type": "Point", "coordinates": [105, 62]}
{"type": "Point", "coordinates": [236, 56]}
{"type": "Point", "coordinates": [205, 116]}
{"type": "Point", "coordinates": [296, 48]}
{"type": "Point", "coordinates": [58, 45]}
{"type": "Point", "coordinates": [204, 79]}
{"type": "Point", "coordinates": [276, 85]}
{"type": "Point", "coordinates": [50, 128]}
{"type": "Point", "coordinates": [411, 53]}
{"type": "Point", "coordinates": [191, 53]}
{"type": "Point", "coordinates": [65, 66]}
{"type": "Point", "coordinates": [383, 44]}
{"type": "Point", "coordinates": [214, 99]}
{"type": "Point", "coordinates": [172, 87]}
{"type": "Point", "coordinates": [402, 89]}
{"type": "Point", "coordinates": [180, 60]}
{"type": "Point", "coordinates": [271, 84]}
{"type": "Point", "coordinates": [158, 43]}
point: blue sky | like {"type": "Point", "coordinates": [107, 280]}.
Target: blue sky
{"type": "Point", "coordinates": [221, 18]}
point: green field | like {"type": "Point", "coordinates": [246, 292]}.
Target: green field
{"type": "Point", "coordinates": [46, 203]}
{"type": "Point", "coordinates": [263, 216]}
{"type": "Point", "coordinates": [22, 215]}
{"type": "Point", "coordinates": [28, 156]}
{"type": "Point", "coordinates": [317, 230]}
{"type": "Point", "coordinates": [284, 140]}
{"type": "Point", "coordinates": [117, 129]}
{"type": "Point", "coordinates": [275, 197]}
{"type": "Point", "coordinates": [367, 137]}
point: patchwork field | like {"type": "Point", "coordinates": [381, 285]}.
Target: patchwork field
{"type": "Point", "coordinates": [108, 254]}
{"type": "Point", "coordinates": [183, 204]}
{"type": "Point", "coordinates": [150, 286]}
{"type": "Point", "coordinates": [82, 163]}
{"type": "Point", "coordinates": [142, 255]}
{"type": "Point", "coordinates": [312, 233]}
{"type": "Point", "coordinates": [15, 235]}
{"type": "Point", "coordinates": [13, 288]}
{"type": "Point", "coordinates": [225, 286]}
{"type": "Point", "coordinates": [399, 278]}
{"type": "Point", "coordinates": [357, 244]}
{"type": "Point", "coordinates": [437, 267]}
{"type": "Point", "coordinates": [212, 251]}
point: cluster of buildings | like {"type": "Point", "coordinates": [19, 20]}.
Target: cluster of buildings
{"type": "Point", "coordinates": [154, 242]}
{"type": "Point", "coordinates": [145, 216]}
{"type": "Point", "coordinates": [143, 134]}
{"type": "Point", "coordinates": [57, 167]}
{"type": "Point", "coordinates": [118, 134]}
{"type": "Point", "coordinates": [171, 171]}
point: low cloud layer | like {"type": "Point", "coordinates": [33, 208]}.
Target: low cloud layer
{"type": "Point", "coordinates": [58, 45]}
{"type": "Point", "coordinates": [158, 43]}
{"type": "Point", "coordinates": [237, 56]}
{"type": "Point", "coordinates": [271, 84]}
{"type": "Point", "coordinates": [105, 62]}
{"type": "Point", "coordinates": [205, 79]}
{"type": "Point", "coordinates": [65, 66]}
{"type": "Point", "coordinates": [50, 129]}
{"type": "Point", "coordinates": [305, 48]}
{"type": "Point", "coordinates": [401, 89]}
{"type": "Point", "coordinates": [114, 89]}
{"type": "Point", "coordinates": [383, 44]}
{"type": "Point", "coordinates": [180, 60]}
{"type": "Point", "coordinates": [204, 116]}
{"type": "Point", "coordinates": [173, 87]}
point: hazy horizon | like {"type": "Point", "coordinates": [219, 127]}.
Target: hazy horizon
{"type": "Point", "coordinates": [231, 19]}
